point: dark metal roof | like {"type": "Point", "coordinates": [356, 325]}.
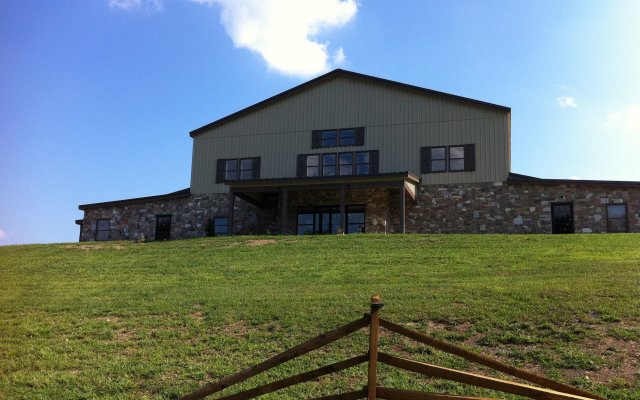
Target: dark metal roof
{"type": "Point", "coordinates": [519, 178]}
{"type": "Point", "coordinates": [328, 76]}
{"type": "Point", "coordinates": [180, 193]}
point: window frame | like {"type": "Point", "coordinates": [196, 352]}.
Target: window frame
{"type": "Point", "coordinates": [340, 168]}
{"type": "Point", "coordinates": [234, 166]}
{"type": "Point", "coordinates": [98, 230]}
{"type": "Point", "coordinates": [427, 160]}
{"type": "Point", "coordinates": [337, 137]}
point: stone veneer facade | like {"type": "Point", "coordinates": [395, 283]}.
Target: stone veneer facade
{"type": "Point", "coordinates": [500, 207]}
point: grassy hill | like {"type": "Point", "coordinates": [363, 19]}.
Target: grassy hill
{"type": "Point", "coordinates": [157, 320]}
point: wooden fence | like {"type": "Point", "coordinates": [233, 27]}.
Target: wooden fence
{"type": "Point", "coordinates": [546, 389]}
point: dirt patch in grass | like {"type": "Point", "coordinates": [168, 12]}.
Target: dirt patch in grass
{"type": "Point", "coordinates": [123, 335]}
{"type": "Point", "coordinates": [93, 246]}
{"type": "Point", "coordinates": [198, 316]}
{"type": "Point", "coordinates": [261, 242]}
{"type": "Point", "coordinates": [237, 329]}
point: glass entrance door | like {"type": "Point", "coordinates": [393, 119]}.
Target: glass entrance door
{"type": "Point", "coordinates": [326, 219]}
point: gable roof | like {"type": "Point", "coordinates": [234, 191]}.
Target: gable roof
{"type": "Point", "coordinates": [332, 75]}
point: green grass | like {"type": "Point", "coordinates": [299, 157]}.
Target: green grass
{"type": "Point", "coordinates": [157, 320]}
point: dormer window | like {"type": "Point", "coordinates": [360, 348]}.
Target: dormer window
{"type": "Point", "coordinates": [337, 137]}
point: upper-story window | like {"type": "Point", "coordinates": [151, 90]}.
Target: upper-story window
{"type": "Point", "coordinates": [448, 158]}
{"type": "Point", "coordinates": [343, 163]}
{"type": "Point", "coordinates": [337, 137]}
{"type": "Point", "coordinates": [237, 169]}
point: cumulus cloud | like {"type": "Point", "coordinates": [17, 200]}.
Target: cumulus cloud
{"type": "Point", "coordinates": [627, 120]}
{"type": "Point", "coordinates": [3, 234]}
{"type": "Point", "coordinates": [137, 5]}
{"type": "Point", "coordinates": [284, 32]}
{"type": "Point", "coordinates": [567, 102]}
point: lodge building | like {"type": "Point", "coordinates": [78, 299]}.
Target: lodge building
{"type": "Point", "coordinates": [352, 153]}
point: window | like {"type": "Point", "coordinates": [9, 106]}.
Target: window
{"type": "Point", "coordinates": [456, 158]}
{"type": "Point", "coordinates": [328, 164]}
{"type": "Point", "coordinates": [355, 219]}
{"type": "Point", "coordinates": [231, 170]}
{"type": "Point", "coordinates": [220, 226]}
{"type": "Point", "coordinates": [438, 159]}
{"type": "Point", "coordinates": [362, 163]}
{"type": "Point", "coordinates": [337, 137]}
{"type": "Point", "coordinates": [102, 229]}
{"type": "Point", "coordinates": [344, 164]}
{"type": "Point", "coordinates": [313, 165]}
{"type": "Point", "coordinates": [326, 220]}
{"type": "Point", "coordinates": [237, 168]}
{"type": "Point", "coordinates": [452, 158]}
{"type": "Point", "coordinates": [617, 218]}
{"type": "Point", "coordinates": [329, 138]}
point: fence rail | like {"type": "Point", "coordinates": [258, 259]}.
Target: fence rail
{"type": "Point", "coordinates": [547, 389]}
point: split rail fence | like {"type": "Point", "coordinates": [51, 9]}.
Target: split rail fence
{"type": "Point", "coordinates": [547, 389]}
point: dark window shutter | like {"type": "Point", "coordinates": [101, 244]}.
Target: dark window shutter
{"type": "Point", "coordinates": [316, 139]}
{"type": "Point", "coordinates": [469, 157]}
{"type": "Point", "coordinates": [374, 162]}
{"type": "Point", "coordinates": [359, 136]}
{"type": "Point", "coordinates": [255, 168]}
{"type": "Point", "coordinates": [220, 170]}
{"type": "Point", "coordinates": [302, 165]}
{"type": "Point", "coordinates": [425, 160]}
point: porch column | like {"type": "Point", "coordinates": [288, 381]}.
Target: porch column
{"type": "Point", "coordinates": [403, 201]}
{"type": "Point", "coordinates": [342, 209]}
{"type": "Point", "coordinates": [285, 205]}
{"type": "Point", "coordinates": [232, 199]}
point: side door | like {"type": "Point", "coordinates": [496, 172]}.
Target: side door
{"type": "Point", "coordinates": [562, 218]}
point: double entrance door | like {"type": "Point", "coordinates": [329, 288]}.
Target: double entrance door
{"type": "Point", "coordinates": [326, 220]}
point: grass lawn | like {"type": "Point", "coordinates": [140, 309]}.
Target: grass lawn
{"type": "Point", "coordinates": [157, 320]}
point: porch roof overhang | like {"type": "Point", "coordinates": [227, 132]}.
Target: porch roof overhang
{"type": "Point", "coordinates": [261, 192]}
{"type": "Point", "coordinates": [394, 179]}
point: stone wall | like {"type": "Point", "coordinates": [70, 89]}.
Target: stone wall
{"type": "Point", "coordinates": [189, 217]}
{"type": "Point", "coordinates": [463, 208]}
{"type": "Point", "coordinates": [517, 207]}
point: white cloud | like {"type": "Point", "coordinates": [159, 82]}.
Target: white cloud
{"type": "Point", "coordinates": [575, 178]}
{"type": "Point", "coordinates": [3, 234]}
{"type": "Point", "coordinates": [627, 120]}
{"type": "Point", "coordinates": [339, 57]}
{"type": "Point", "coordinates": [567, 102]}
{"type": "Point", "coordinates": [137, 5]}
{"type": "Point", "coordinates": [284, 32]}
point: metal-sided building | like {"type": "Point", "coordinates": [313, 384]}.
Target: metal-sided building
{"type": "Point", "coordinates": [347, 153]}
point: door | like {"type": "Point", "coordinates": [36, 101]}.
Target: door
{"type": "Point", "coordinates": [163, 227]}
{"type": "Point", "coordinates": [562, 218]}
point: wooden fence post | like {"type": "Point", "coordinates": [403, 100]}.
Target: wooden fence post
{"type": "Point", "coordinates": [374, 330]}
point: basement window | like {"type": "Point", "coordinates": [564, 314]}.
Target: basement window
{"type": "Point", "coordinates": [617, 218]}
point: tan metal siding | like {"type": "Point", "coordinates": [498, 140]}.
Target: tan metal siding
{"type": "Point", "coordinates": [397, 122]}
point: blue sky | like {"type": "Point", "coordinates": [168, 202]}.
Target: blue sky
{"type": "Point", "coordinates": [97, 97]}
